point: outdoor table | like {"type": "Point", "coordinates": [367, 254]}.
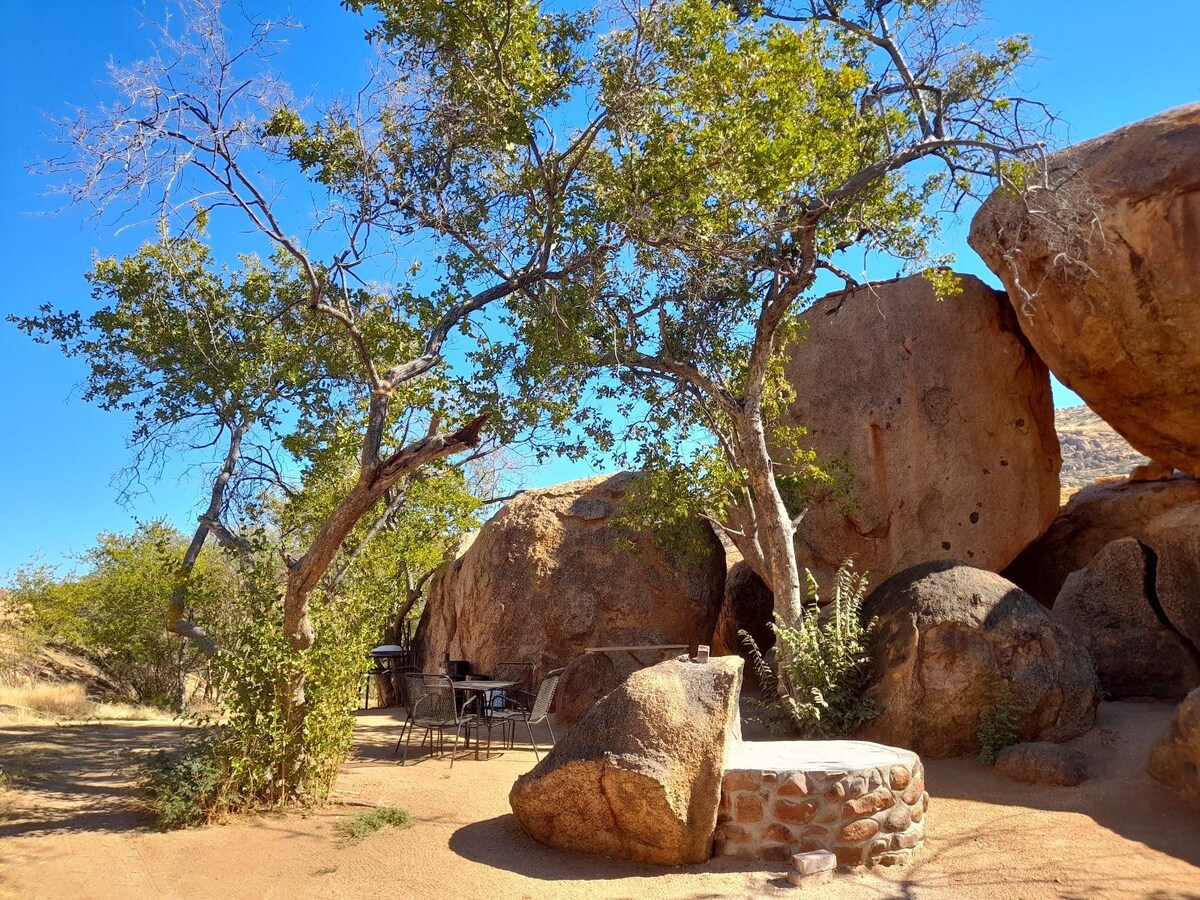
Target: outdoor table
{"type": "Point", "coordinates": [482, 689]}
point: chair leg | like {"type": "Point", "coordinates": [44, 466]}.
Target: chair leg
{"type": "Point", "coordinates": [454, 752]}
{"type": "Point", "coordinates": [529, 728]}
{"type": "Point", "coordinates": [553, 739]}
{"type": "Point", "coordinates": [406, 724]}
{"type": "Point", "coordinates": [406, 743]}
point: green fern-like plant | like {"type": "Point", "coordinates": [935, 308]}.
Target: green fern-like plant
{"type": "Point", "coordinates": [999, 719]}
{"type": "Point", "coordinates": [816, 686]}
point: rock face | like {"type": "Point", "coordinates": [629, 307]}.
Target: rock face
{"type": "Point", "coordinates": [639, 777]}
{"type": "Point", "coordinates": [1175, 757]}
{"type": "Point", "coordinates": [1109, 607]}
{"type": "Point", "coordinates": [1094, 517]}
{"type": "Point", "coordinates": [1175, 539]}
{"type": "Point", "coordinates": [748, 605]}
{"type": "Point", "coordinates": [590, 676]}
{"type": "Point", "coordinates": [944, 416]}
{"type": "Point", "coordinates": [1120, 326]}
{"type": "Point", "coordinates": [1041, 762]}
{"type": "Point", "coordinates": [946, 634]}
{"type": "Point", "coordinates": [552, 573]}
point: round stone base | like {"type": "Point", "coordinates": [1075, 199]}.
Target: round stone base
{"type": "Point", "coordinates": [864, 802]}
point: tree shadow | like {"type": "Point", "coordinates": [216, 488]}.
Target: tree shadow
{"type": "Point", "coordinates": [78, 778]}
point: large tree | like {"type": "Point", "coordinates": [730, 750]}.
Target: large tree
{"type": "Point", "coordinates": [751, 149]}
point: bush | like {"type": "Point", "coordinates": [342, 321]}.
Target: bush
{"type": "Point", "coordinates": [367, 823]}
{"type": "Point", "coordinates": [816, 685]}
{"type": "Point", "coordinates": [182, 788]}
{"type": "Point", "coordinates": [999, 719]}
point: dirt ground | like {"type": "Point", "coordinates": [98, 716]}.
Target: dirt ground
{"type": "Point", "coordinates": [72, 829]}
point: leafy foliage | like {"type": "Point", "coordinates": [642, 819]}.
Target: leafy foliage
{"type": "Point", "coordinates": [816, 685]}
{"type": "Point", "coordinates": [999, 719]}
{"type": "Point", "coordinates": [113, 611]}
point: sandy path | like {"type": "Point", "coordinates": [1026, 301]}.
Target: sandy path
{"type": "Point", "coordinates": [74, 831]}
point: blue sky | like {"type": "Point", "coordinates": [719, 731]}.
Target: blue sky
{"type": "Point", "coordinates": [1100, 64]}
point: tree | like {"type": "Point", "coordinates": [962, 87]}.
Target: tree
{"type": "Point", "coordinates": [751, 149]}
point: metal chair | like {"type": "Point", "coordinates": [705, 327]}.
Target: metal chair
{"type": "Point", "coordinates": [534, 711]}
{"type": "Point", "coordinates": [413, 690]}
{"type": "Point", "coordinates": [435, 710]}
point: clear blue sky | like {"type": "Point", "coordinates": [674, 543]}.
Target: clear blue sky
{"type": "Point", "coordinates": [1101, 64]}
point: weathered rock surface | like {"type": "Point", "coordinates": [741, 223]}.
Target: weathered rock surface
{"type": "Point", "coordinates": [1109, 607]}
{"type": "Point", "coordinates": [1175, 539]}
{"type": "Point", "coordinates": [946, 634]}
{"type": "Point", "coordinates": [945, 416]}
{"type": "Point", "coordinates": [552, 573]}
{"type": "Point", "coordinates": [639, 777]}
{"type": "Point", "coordinates": [1094, 517]}
{"type": "Point", "coordinates": [1120, 325]}
{"type": "Point", "coordinates": [748, 605]}
{"type": "Point", "coordinates": [1041, 762]}
{"type": "Point", "coordinates": [1175, 757]}
{"type": "Point", "coordinates": [590, 676]}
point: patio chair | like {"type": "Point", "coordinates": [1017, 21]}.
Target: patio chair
{"type": "Point", "coordinates": [435, 710]}
{"type": "Point", "coordinates": [412, 690]}
{"type": "Point", "coordinates": [532, 710]}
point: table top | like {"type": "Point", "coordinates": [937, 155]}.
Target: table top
{"type": "Point", "coordinates": [484, 685]}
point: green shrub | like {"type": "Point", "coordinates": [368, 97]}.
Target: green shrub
{"type": "Point", "coordinates": [999, 719]}
{"type": "Point", "coordinates": [816, 686]}
{"type": "Point", "coordinates": [181, 788]}
{"type": "Point", "coordinates": [367, 823]}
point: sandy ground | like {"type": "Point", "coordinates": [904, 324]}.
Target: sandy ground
{"type": "Point", "coordinates": [73, 830]}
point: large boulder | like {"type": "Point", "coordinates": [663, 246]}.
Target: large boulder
{"type": "Point", "coordinates": [748, 606]}
{"type": "Point", "coordinates": [1175, 757]}
{"type": "Point", "coordinates": [555, 572]}
{"type": "Point", "coordinates": [1110, 608]}
{"type": "Point", "coordinates": [1174, 537]}
{"type": "Point", "coordinates": [1111, 261]}
{"type": "Point", "coordinates": [944, 417]}
{"type": "Point", "coordinates": [1041, 762]}
{"type": "Point", "coordinates": [946, 636]}
{"type": "Point", "coordinates": [590, 676]}
{"type": "Point", "coordinates": [639, 777]}
{"type": "Point", "coordinates": [1094, 517]}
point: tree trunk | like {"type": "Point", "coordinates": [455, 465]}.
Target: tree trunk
{"type": "Point", "coordinates": [775, 530]}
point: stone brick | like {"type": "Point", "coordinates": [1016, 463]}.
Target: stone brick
{"type": "Point", "coordinates": [748, 808]}
{"type": "Point", "coordinates": [829, 813]}
{"type": "Point", "coordinates": [856, 786]}
{"type": "Point", "coordinates": [795, 813]}
{"type": "Point", "coordinates": [775, 852]}
{"type": "Point", "coordinates": [898, 818]}
{"type": "Point", "coordinates": [859, 831]}
{"type": "Point", "coordinates": [871, 803]}
{"type": "Point", "coordinates": [817, 861]}
{"type": "Point", "coordinates": [779, 833]}
{"type": "Point", "coordinates": [836, 792]}
{"type": "Point", "coordinates": [793, 786]}
{"type": "Point", "coordinates": [900, 778]}
{"type": "Point", "coordinates": [878, 847]}
{"type": "Point", "coordinates": [733, 834]}
{"type": "Point", "coordinates": [893, 858]}
{"type": "Point", "coordinates": [814, 831]}
{"type": "Point", "coordinates": [769, 777]}
{"type": "Point", "coordinates": [875, 779]}
{"type": "Point", "coordinates": [795, 879]}
{"type": "Point", "coordinates": [906, 840]}
{"type": "Point", "coordinates": [809, 845]}
{"type": "Point", "coordinates": [851, 855]}
{"type": "Point", "coordinates": [741, 781]}
{"type": "Point", "coordinates": [913, 792]}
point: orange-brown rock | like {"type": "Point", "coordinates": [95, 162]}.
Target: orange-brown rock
{"type": "Point", "coordinates": [1174, 537]}
{"type": "Point", "coordinates": [554, 572]}
{"type": "Point", "coordinates": [1094, 517]}
{"type": "Point", "coordinates": [944, 416]}
{"type": "Point", "coordinates": [945, 633]}
{"type": "Point", "coordinates": [639, 777]}
{"type": "Point", "coordinates": [1109, 290]}
{"type": "Point", "coordinates": [1175, 757]}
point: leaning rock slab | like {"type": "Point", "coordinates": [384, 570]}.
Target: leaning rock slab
{"type": "Point", "coordinates": [639, 776]}
{"type": "Point", "coordinates": [1110, 608]}
{"type": "Point", "coordinates": [555, 572]}
{"type": "Point", "coordinates": [944, 416]}
{"type": "Point", "coordinates": [1175, 539]}
{"type": "Point", "coordinates": [1115, 306]}
{"type": "Point", "coordinates": [1175, 757]}
{"type": "Point", "coordinates": [946, 633]}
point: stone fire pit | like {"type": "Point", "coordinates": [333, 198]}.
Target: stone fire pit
{"type": "Point", "coordinates": [864, 802]}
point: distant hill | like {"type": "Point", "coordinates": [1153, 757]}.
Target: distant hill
{"type": "Point", "coordinates": [1091, 449]}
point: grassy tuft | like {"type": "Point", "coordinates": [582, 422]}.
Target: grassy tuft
{"type": "Point", "coordinates": [53, 700]}
{"type": "Point", "coordinates": [367, 823]}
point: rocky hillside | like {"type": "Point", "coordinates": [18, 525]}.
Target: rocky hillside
{"type": "Point", "coordinates": [1090, 448]}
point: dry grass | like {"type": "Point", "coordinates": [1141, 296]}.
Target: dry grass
{"type": "Point", "coordinates": [40, 700]}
